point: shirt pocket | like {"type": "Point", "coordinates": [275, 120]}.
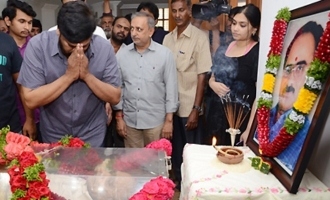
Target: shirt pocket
{"type": "Point", "coordinates": [185, 62]}
{"type": "Point", "coordinates": [152, 73]}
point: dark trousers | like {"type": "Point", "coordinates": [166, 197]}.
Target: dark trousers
{"type": "Point", "coordinates": [112, 138]}
{"type": "Point", "coordinates": [180, 137]}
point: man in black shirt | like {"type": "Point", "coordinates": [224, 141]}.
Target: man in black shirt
{"type": "Point", "coordinates": [10, 64]}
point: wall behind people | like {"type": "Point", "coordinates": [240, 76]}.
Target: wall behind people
{"type": "Point", "coordinates": [47, 12]}
{"type": "Point", "coordinates": [320, 162]}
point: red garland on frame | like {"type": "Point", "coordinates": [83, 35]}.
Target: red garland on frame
{"type": "Point", "coordinates": [318, 72]}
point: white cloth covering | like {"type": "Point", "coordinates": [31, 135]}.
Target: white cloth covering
{"type": "Point", "coordinates": [205, 178]}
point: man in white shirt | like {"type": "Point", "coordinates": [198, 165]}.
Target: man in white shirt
{"type": "Point", "coordinates": [98, 31]}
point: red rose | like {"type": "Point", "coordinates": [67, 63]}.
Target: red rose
{"type": "Point", "coordinates": [33, 193]}
{"type": "Point", "coordinates": [14, 171]}
{"type": "Point", "coordinates": [38, 189]}
{"type": "Point", "coordinates": [17, 182]}
{"type": "Point", "coordinates": [44, 179]}
{"type": "Point", "coordinates": [76, 142]}
{"type": "Point", "coordinates": [16, 138]}
{"type": "Point", "coordinates": [13, 150]}
{"type": "Point", "coordinates": [25, 198]}
{"type": "Point", "coordinates": [27, 159]}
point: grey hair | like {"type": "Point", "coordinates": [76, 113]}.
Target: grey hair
{"type": "Point", "coordinates": [151, 21]}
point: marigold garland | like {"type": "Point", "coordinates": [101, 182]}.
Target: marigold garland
{"type": "Point", "coordinates": [305, 101]}
{"type": "Point", "coordinates": [269, 83]}
{"type": "Point", "coordinates": [316, 76]}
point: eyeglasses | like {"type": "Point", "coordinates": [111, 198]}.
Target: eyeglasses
{"type": "Point", "coordinates": [295, 69]}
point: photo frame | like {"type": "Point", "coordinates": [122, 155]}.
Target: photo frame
{"type": "Point", "coordinates": [291, 178]}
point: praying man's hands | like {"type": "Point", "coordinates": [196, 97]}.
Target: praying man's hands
{"type": "Point", "coordinates": [78, 64]}
{"type": "Point", "coordinates": [73, 69]}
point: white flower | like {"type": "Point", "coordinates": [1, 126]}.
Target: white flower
{"type": "Point", "coordinates": [273, 71]}
{"type": "Point", "coordinates": [297, 118]}
{"type": "Point", "coordinates": [310, 82]}
{"type": "Point", "coordinates": [266, 96]}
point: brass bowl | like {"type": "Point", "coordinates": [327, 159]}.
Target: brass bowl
{"type": "Point", "coordinates": [230, 155]}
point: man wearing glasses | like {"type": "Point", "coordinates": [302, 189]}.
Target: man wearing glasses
{"type": "Point", "coordinates": [299, 55]}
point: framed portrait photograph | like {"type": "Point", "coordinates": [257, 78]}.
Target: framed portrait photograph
{"type": "Point", "coordinates": [304, 31]}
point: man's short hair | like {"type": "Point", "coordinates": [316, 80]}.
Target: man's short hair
{"type": "Point", "coordinates": [119, 17]}
{"type": "Point", "coordinates": [12, 6]}
{"type": "Point", "coordinates": [151, 7]}
{"type": "Point", "coordinates": [37, 23]}
{"type": "Point", "coordinates": [188, 2]}
{"type": "Point", "coordinates": [76, 22]}
{"type": "Point", "coordinates": [310, 27]}
{"type": "Point", "coordinates": [107, 15]}
{"type": "Point", "coordinates": [151, 21]}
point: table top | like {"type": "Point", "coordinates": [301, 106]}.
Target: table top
{"type": "Point", "coordinates": [205, 177]}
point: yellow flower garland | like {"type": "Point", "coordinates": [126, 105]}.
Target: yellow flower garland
{"type": "Point", "coordinates": [305, 101]}
{"type": "Point", "coordinates": [269, 83]}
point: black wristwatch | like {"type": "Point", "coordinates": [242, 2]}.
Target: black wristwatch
{"type": "Point", "coordinates": [198, 108]}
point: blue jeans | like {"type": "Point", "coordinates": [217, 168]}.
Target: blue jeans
{"type": "Point", "coordinates": [180, 137]}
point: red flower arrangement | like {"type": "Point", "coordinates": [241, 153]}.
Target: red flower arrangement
{"type": "Point", "coordinates": [28, 178]}
{"type": "Point", "coordinates": [27, 175]}
{"type": "Point", "coordinates": [12, 145]}
{"type": "Point", "coordinates": [162, 144]}
{"type": "Point", "coordinates": [159, 188]}
{"type": "Point", "coordinates": [69, 141]}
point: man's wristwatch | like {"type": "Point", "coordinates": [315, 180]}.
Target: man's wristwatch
{"type": "Point", "coordinates": [198, 108]}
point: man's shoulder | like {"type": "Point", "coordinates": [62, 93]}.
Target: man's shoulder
{"type": "Point", "coordinates": [99, 44]}
{"type": "Point", "coordinates": [100, 32]}
{"type": "Point", "coordinates": [5, 37]}
{"type": "Point", "coordinates": [124, 50]}
{"type": "Point", "coordinates": [52, 28]}
{"type": "Point", "coordinates": [6, 41]}
{"type": "Point", "coordinates": [198, 33]}
{"type": "Point", "coordinates": [44, 38]}
{"type": "Point", "coordinates": [161, 48]}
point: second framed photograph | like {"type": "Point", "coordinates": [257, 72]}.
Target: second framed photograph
{"type": "Point", "coordinates": [304, 32]}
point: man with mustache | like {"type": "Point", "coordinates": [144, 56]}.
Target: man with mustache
{"type": "Point", "coordinates": [299, 55]}
{"type": "Point", "coordinates": [107, 19]}
{"type": "Point", "coordinates": [191, 48]}
{"type": "Point", "coordinates": [18, 17]}
{"type": "Point", "coordinates": [119, 32]}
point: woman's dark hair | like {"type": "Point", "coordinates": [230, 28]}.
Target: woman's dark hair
{"type": "Point", "coordinates": [13, 5]}
{"type": "Point", "coordinates": [76, 21]}
{"type": "Point", "coordinates": [252, 13]}
{"type": "Point", "coordinates": [151, 7]}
